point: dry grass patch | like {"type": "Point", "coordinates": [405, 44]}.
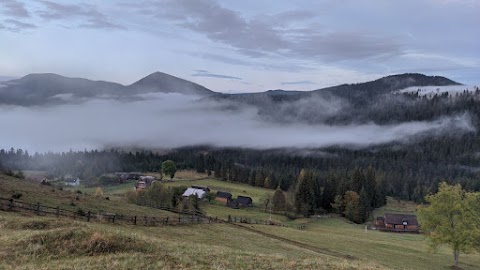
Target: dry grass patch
{"type": "Point", "coordinates": [77, 242]}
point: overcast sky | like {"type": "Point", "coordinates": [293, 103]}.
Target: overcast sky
{"type": "Point", "coordinates": [241, 46]}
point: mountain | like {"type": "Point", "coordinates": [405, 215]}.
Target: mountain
{"type": "Point", "coordinates": [360, 92]}
{"type": "Point", "coordinates": [38, 89]}
{"type": "Point", "coordinates": [48, 88]}
{"type": "Point", "coordinates": [342, 104]}
{"type": "Point", "coordinates": [165, 83]}
{"type": "Point", "coordinates": [387, 84]}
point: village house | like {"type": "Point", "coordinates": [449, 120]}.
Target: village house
{"type": "Point", "coordinates": [244, 201]}
{"type": "Point", "coordinates": [140, 185]}
{"type": "Point", "coordinates": [223, 197]}
{"type": "Point", "coordinates": [397, 223]}
{"type": "Point", "coordinates": [206, 189]}
{"type": "Point", "coordinates": [72, 181]}
{"type": "Point", "coordinates": [200, 193]}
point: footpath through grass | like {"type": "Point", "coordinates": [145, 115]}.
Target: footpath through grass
{"type": "Point", "coordinates": [395, 250]}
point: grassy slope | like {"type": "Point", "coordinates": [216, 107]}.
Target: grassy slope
{"type": "Point", "coordinates": [400, 251]}
{"type": "Point", "coordinates": [67, 244]}
{"type": "Point", "coordinates": [217, 209]}
{"type": "Point", "coordinates": [33, 192]}
{"type": "Point", "coordinates": [227, 246]}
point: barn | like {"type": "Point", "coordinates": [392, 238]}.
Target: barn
{"type": "Point", "coordinates": [397, 223]}
{"type": "Point", "coordinates": [200, 193]}
{"type": "Point", "coordinates": [223, 196]}
{"type": "Point", "coordinates": [244, 201]}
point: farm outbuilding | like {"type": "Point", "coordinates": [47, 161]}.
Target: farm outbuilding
{"type": "Point", "coordinates": [73, 182]}
{"type": "Point", "coordinates": [200, 193]}
{"type": "Point", "coordinates": [397, 223]}
{"type": "Point", "coordinates": [223, 196]}
{"type": "Point", "coordinates": [244, 201]}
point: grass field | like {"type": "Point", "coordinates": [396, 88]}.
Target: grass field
{"type": "Point", "coordinates": [235, 188]}
{"type": "Point", "coordinates": [71, 200]}
{"type": "Point", "coordinates": [396, 206]}
{"type": "Point", "coordinates": [32, 242]}
{"type": "Point", "coordinates": [216, 209]}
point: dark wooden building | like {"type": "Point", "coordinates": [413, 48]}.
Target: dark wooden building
{"type": "Point", "coordinates": [244, 201]}
{"type": "Point", "coordinates": [223, 196]}
{"type": "Point", "coordinates": [397, 223]}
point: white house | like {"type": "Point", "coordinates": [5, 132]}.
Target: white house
{"type": "Point", "coordinates": [73, 182]}
{"type": "Point", "coordinates": [200, 193]}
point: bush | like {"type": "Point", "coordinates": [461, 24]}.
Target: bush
{"type": "Point", "coordinates": [20, 175]}
{"type": "Point", "coordinates": [80, 212]}
{"type": "Point", "coordinates": [16, 195]}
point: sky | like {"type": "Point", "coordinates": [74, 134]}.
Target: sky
{"type": "Point", "coordinates": [241, 46]}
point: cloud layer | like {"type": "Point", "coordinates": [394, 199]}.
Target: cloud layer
{"type": "Point", "coordinates": [174, 120]}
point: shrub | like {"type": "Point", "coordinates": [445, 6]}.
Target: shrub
{"type": "Point", "coordinates": [16, 195]}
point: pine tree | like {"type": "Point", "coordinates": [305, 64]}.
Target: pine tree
{"type": "Point", "coordinates": [278, 200]}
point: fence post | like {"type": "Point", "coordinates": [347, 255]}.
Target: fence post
{"type": "Point", "coordinates": [166, 221]}
{"type": "Point", "coordinates": [146, 220]}
{"type": "Point", "coordinates": [179, 220]}
{"type": "Point", "coordinates": [198, 220]}
{"type": "Point", "coordinates": [38, 208]}
{"type": "Point", "coordinates": [135, 220]}
{"type": "Point", "coordinates": [11, 205]}
{"type": "Point", "coordinates": [113, 219]}
{"type": "Point", "coordinates": [88, 216]}
{"type": "Point", "coordinates": [57, 211]}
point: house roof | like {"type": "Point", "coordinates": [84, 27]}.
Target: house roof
{"type": "Point", "coordinates": [71, 180]}
{"type": "Point", "coordinates": [244, 200]}
{"type": "Point", "coordinates": [194, 191]}
{"type": "Point", "coordinates": [400, 219]}
{"type": "Point", "coordinates": [206, 189]}
{"type": "Point", "coordinates": [223, 194]}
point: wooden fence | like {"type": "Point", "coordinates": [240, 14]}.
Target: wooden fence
{"type": "Point", "coordinates": [90, 216]}
{"type": "Point", "coordinates": [234, 219]}
{"type": "Point", "coordinates": [177, 218]}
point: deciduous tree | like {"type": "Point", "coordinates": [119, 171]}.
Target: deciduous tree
{"type": "Point", "coordinates": [169, 168]}
{"type": "Point", "coordinates": [452, 217]}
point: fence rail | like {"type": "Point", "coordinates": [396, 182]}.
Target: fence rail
{"type": "Point", "coordinates": [175, 219]}
{"type": "Point", "coordinates": [90, 216]}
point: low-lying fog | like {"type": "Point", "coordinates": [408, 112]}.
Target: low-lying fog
{"type": "Point", "coordinates": [173, 120]}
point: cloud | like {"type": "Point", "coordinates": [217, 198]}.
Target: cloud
{"type": "Point", "coordinates": [205, 73]}
{"type": "Point", "coordinates": [298, 82]}
{"type": "Point", "coordinates": [90, 16]}
{"type": "Point", "coordinates": [16, 26]}
{"type": "Point", "coordinates": [173, 120]}
{"type": "Point", "coordinates": [14, 8]}
{"type": "Point", "coordinates": [272, 35]}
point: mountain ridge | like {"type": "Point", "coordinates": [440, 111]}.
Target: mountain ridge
{"type": "Point", "coordinates": [51, 88]}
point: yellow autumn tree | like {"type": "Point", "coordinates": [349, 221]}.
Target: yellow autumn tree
{"type": "Point", "coordinates": [452, 217]}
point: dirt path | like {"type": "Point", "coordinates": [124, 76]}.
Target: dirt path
{"type": "Point", "coordinates": [319, 250]}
